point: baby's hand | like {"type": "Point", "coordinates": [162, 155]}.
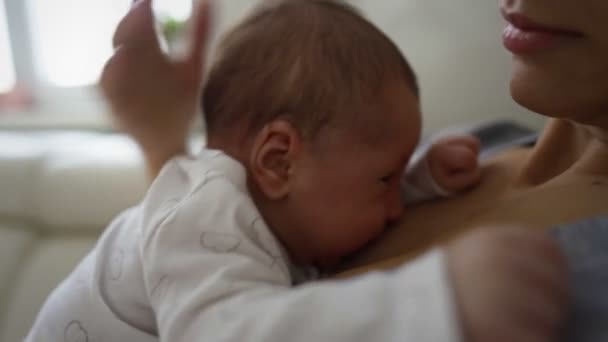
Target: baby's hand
{"type": "Point", "coordinates": [153, 97]}
{"type": "Point", "coordinates": [510, 284]}
{"type": "Point", "coordinates": [453, 162]}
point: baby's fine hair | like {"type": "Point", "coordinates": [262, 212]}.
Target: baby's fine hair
{"type": "Point", "coordinates": [313, 63]}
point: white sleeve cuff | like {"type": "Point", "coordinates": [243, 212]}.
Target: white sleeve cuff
{"type": "Point", "coordinates": [418, 184]}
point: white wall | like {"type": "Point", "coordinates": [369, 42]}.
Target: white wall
{"type": "Point", "coordinates": [455, 47]}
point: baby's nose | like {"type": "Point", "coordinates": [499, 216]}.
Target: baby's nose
{"type": "Point", "coordinates": [394, 210]}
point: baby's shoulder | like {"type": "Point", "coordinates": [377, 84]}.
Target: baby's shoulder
{"type": "Point", "coordinates": [184, 177]}
{"type": "Point", "coordinates": [202, 191]}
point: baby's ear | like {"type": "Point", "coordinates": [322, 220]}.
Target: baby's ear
{"type": "Point", "coordinates": [272, 158]}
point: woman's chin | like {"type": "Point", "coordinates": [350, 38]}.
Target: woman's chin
{"type": "Point", "coordinates": [560, 105]}
{"type": "Point", "coordinates": [534, 101]}
{"type": "Point", "coordinates": [533, 94]}
{"type": "Point", "coordinates": [561, 94]}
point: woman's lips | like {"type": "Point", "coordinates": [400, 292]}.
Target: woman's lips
{"type": "Point", "coordinates": [523, 36]}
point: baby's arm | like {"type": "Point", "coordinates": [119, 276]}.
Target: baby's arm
{"type": "Point", "coordinates": [226, 279]}
{"type": "Point", "coordinates": [450, 165]}
{"type": "Point", "coordinates": [214, 273]}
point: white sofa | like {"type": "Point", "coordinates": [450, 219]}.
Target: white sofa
{"type": "Point", "coordinates": [58, 191]}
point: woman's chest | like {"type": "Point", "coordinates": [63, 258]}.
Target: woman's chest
{"type": "Point", "coordinates": [540, 207]}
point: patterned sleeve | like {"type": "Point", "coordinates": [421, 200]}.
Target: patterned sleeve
{"type": "Point", "coordinates": [214, 273]}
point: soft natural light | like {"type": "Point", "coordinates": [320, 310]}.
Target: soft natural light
{"type": "Point", "coordinates": [7, 70]}
{"type": "Point", "coordinates": [175, 9]}
{"type": "Point", "coordinates": [72, 38]}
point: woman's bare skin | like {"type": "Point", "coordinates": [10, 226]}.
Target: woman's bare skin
{"type": "Point", "coordinates": [529, 185]}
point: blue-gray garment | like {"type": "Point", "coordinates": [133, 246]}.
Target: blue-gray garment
{"type": "Point", "coordinates": [585, 245]}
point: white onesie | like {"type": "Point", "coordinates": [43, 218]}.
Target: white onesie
{"type": "Point", "coordinates": [195, 262]}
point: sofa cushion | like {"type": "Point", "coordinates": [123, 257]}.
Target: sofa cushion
{"type": "Point", "coordinates": [15, 240]}
{"type": "Point", "coordinates": [69, 181]}
{"type": "Point", "coordinates": [48, 262]}
{"type": "Point", "coordinates": [59, 191]}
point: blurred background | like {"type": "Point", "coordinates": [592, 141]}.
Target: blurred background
{"type": "Point", "coordinates": [64, 172]}
{"type": "Point", "coordinates": [52, 51]}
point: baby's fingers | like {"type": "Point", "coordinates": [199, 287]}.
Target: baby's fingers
{"type": "Point", "coordinates": [202, 20]}
{"type": "Point", "coordinates": [137, 27]}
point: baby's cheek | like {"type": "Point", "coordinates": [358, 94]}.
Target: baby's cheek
{"type": "Point", "coordinates": [363, 233]}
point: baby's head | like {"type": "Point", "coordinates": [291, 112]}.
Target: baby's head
{"type": "Point", "coordinates": [322, 110]}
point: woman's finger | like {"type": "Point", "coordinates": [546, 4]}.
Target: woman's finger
{"type": "Point", "coordinates": [137, 27]}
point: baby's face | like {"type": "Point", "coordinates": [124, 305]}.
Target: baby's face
{"type": "Point", "coordinates": [346, 195]}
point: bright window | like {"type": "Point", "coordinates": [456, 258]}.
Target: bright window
{"type": "Point", "coordinates": [52, 53]}
{"type": "Point", "coordinates": [174, 9]}
{"type": "Point", "coordinates": [7, 69]}
{"type": "Point", "coordinates": [72, 38]}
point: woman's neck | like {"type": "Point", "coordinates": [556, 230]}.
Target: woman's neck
{"type": "Point", "coordinates": [566, 149]}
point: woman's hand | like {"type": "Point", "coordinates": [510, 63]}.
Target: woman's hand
{"type": "Point", "coordinates": [154, 98]}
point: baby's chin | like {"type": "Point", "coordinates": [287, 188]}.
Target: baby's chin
{"type": "Point", "coordinates": [327, 264]}
{"type": "Point", "coordinates": [334, 254]}
{"type": "Point", "coordinates": [331, 263]}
